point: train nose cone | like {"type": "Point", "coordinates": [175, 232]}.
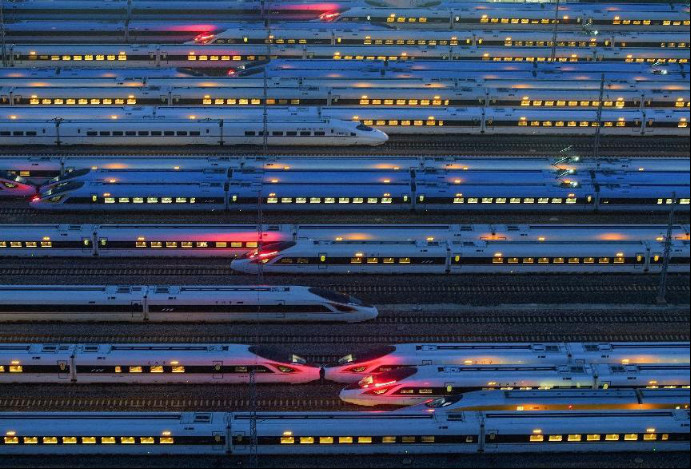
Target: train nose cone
{"type": "Point", "coordinates": [382, 137]}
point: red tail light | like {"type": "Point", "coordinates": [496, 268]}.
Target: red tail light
{"type": "Point", "coordinates": [231, 72]}
{"type": "Point", "coordinates": [329, 16]}
{"type": "Point", "coordinates": [36, 198]}
{"type": "Point", "coordinates": [204, 38]}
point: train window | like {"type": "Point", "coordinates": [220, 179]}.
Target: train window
{"type": "Point", "coordinates": [286, 260]}
{"type": "Point", "coordinates": [306, 440]}
{"type": "Point", "coordinates": [593, 437]}
{"type": "Point", "coordinates": [118, 369]}
{"type": "Point", "coordinates": [272, 200]}
{"type": "Point", "coordinates": [91, 133]}
{"type": "Point", "coordinates": [574, 260]}
{"type": "Point", "coordinates": [537, 438]}
{"type": "Point", "coordinates": [251, 244]}
{"type": "Point", "coordinates": [631, 436]}
{"type": "Point", "coordinates": [138, 369]}
{"type": "Point", "coordinates": [650, 436]}
{"type": "Point", "coordinates": [612, 437]}
{"type": "Point", "coordinates": [358, 200]}
{"type": "Point", "coordinates": [619, 260]}
{"type": "Point", "coordinates": [515, 200]}
{"type": "Point", "coordinates": [528, 260]}
{"type": "Point", "coordinates": [152, 200]}
{"type": "Point", "coordinates": [329, 200]}
{"type": "Point", "coordinates": [305, 133]}
{"type": "Point", "coordinates": [356, 260]}
{"type": "Point", "coordinates": [315, 200]}
{"type": "Point", "coordinates": [16, 369]}
{"type": "Point", "coordinates": [497, 260]}
{"type": "Point", "coordinates": [202, 244]}
{"type": "Point", "coordinates": [287, 440]}
{"type": "Point", "coordinates": [147, 440]}
{"type": "Point", "coordinates": [50, 440]}
{"type": "Point", "coordinates": [555, 438]}
{"type": "Point", "coordinates": [364, 439]}
{"type": "Point", "coordinates": [407, 439]}
{"type": "Point", "coordinates": [388, 439]}
{"type": "Point", "coordinates": [250, 133]}
{"type": "Point", "coordinates": [344, 200]}
{"type": "Point", "coordinates": [486, 200]}
{"type": "Point", "coordinates": [575, 437]}
{"type": "Point", "coordinates": [589, 260]}
{"type": "Point", "coordinates": [69, 440]}
{"type": "Point", "coordinates": [345, 439]}
{"type": "Point", "coordinates": [107, 440]}
{"type": "Point", "coordinates": [326, 440]}
{"type": "Point", "coordinates": [543, 260]}
{"type": "Point", "coordinates": [529, 200]}
{"type": "Point", "coordinates": [513, 260]}
{"type": "Point", "coordinates": [373, 260]}
{"type": "Point", "coordinates": [109, 200]}
{"type": "Point", "coordinates": [30, 440]}
{"type": "Point", "coordinates": [404, 260]}
{"type": "Point", "coordinates": [300, 200]}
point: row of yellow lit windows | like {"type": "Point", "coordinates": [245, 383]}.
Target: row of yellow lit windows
{"type": "Point", "coordinates": [513, 200]}
{"type": "Point", "coordinates": [245, 101]}
{"type": "Point", "coordinates": [12, 369]}
{"type": "Point", "coordinates": [598, 437]}
{"type": "Point", "coordinates": [337, 56]}
{"type": "Point", "coordinates": [403, 102]}
{"type": "Point", "coordinates": [328, 440]}
{"type": "Point", "coordinates": [647, 22]}
{"type": "Point", "coordinates": [525, 123]}
{"type": "Point", "coordinates": [26, 244]}
{"type": "Point", "coordinates": [77, 58]}
{"type": "Point", "coordinates": [412, 42]}
{"type": "Point", "coordinates": [95, 101]}
{"type": "Point", "coordinates": [511, 42]}
{"type": "Point", "coordinates": [403, 19]}
{"type": "Point", "coordinates": [90, 440]}
{"type": "Point", "coordinates": [149, 200]}
{"type": "Point", "coordinates": [198, 244]}
{"type": "Point", "coordinates": [558, 260]}
{"type": "Point", "coordinates": [154, 369]}
{"type": "Point", "coordinates": [486, 19]}
{"type": "Point", "coordinates": [561, 102]}
{"type": "Point", "coordinates": [236, 58]}
{"type": "Point", "coordinates": [532, 59]}
{"type": "Point", "coordinates": [330, 200]}
{"type": "Point", "coordinates": [376, 260]}
{"type": "Point", "coordinates": [653, 60]}
{"type": "Point", "coordinates": [404, 123]}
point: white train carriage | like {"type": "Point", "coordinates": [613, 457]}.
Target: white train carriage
{"type": "Point", "coordinates": [85, 303]}
{"type": "Point", "coordinates": [460, 257]}
{"type": "Point", "coordinates": [558, 400]}
{"type": "Point", "coordinates": [35, 363]}
{"type": "Point", "coordinates": [353, 367]}
{"type": "Point", "coordinates": [185, 240]}
{"type": "Point", "coordinates": [46, 240]}
{"type": "Point", "coordinates": [135, 433]}
{"type": "Point", "coordinates": [187, 130]}
{"type": "Point", "coordinates": [409, 386]}
{"type": "Point", "coordinates": [342, 432]}
{"type": "Point", "coordinates": [187, 364]}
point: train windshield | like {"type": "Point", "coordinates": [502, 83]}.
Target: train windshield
{"type": "Point", "coordinates": [443, 402]}
{"type": "Point", "coordinates": [63, 187]}
{"type": "Point", "coordinates": [336, 296]}
{"type": "Point", "coordinates": [364, 128]}
{"type": "Point", "coordinates": [276, 354]}
{"type": "Point", "coordinates": [371, 354]}
{"type": "Point", "coordinates": [71, 175]}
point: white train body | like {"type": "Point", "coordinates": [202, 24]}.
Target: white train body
{"type": "Point", "coordinates": [179, 304]}
{"type": "Point", "coordinates": [235, 240]}
{"type": "Point", "coordinates": [409, 386]}
{"type": "Point", "coordinates": [433, 257]}
{"type": "Point", "coordinates": [151, 364]}
{"type": "Point", "coordinates": [219, 433]}
{"type": "Point", "coordinates": [353, 367]}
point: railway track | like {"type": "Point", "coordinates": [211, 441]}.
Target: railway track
{"type": "Point", "coordinates": [167, 404]}
{"type": "Point", "coordinates": [477, 145]}
{"type": "Point", "coordinates": [354, 339]}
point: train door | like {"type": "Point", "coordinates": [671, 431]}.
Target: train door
{"type": "Point", "coordinates": [322, 261]}
{"type": "Point", "coordinates": [219, 441]}
{"type": "Point", "coordinates": [135, 310]}
{"type": "Point", "coordinates": [218, 370]}
{"type": "Point", "coordinates": [63, 369]}
{"type": "Point", "coordinates": [87, 246]}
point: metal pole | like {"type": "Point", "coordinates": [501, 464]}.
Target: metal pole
{"type": "Point", "coordinates": [254, 462]}
{"type": "Point", "coordinates": [662, 288]}
{"type": "Point", "coordinates": [2, 33]}
{"type": "Point", "coordinates": [596, 140]}
{"type": "Point", "coordinates": [265, 114]}
{"type": "Point", "coordinates": [553, 55]}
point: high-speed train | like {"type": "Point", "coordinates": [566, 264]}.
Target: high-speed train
{"type": "Point", "coordinates": [12, 185]}
{"type": "Point", "coordinates": [558, 400]}
{"type": "Point", "coordinates": [225, 57]}
{"type": "Point", "coordinates": [589, 17]}
{"type": "Point", "coordinates": [434, 257]}
{"type": "Point", "coordinates": [414, 385]}
{"type": "Point", "coordinates": [235, 240]}
{"type": "Point", "coordinates": [405, 433]}
{"type": "Point", "coordinates": [362, 190]}
{"type": "Point", "coordinates": [136, 303]}
{"type": "Point", "coordinates": [52, 125]}
{"type": "Point", "coordinates": [192, 131]}
{"type": "Point", "coordinates": [353, 367]}
{"type": "Point", "coordinates": [571, 95]}
{"type": "Point", "coordinates": [151, 364]}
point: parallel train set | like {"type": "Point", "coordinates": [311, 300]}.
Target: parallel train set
{"type": "Point", "coordinates": [159, 75]}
